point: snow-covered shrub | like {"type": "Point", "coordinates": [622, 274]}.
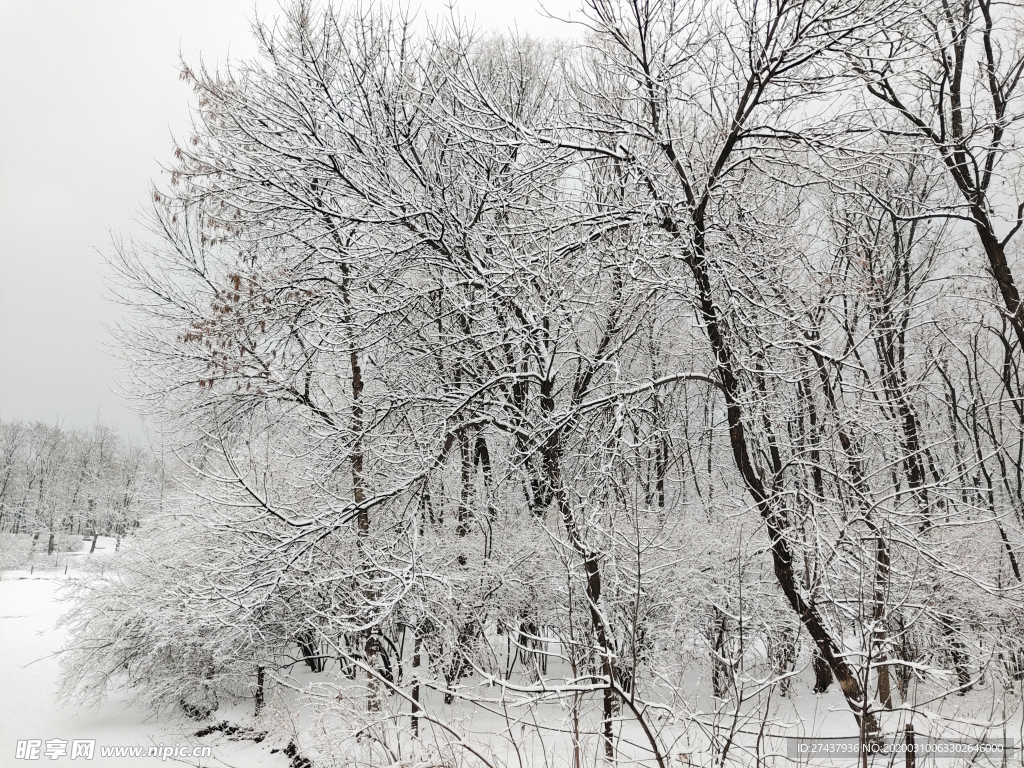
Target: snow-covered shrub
{"type": "Point", "coordinates": [147, 621]}
{"type": "Point", "coordinates": [14, 550]}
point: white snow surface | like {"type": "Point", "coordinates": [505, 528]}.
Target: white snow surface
{"type": "Point", "coordinates": [30, 641]}
{"type": "Point", "coordinates": [29, 709]}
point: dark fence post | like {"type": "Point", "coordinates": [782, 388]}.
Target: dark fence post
{"type": "Point", "coordinates": [910, 746]}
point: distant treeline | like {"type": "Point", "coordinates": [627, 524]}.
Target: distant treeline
{"type": "Point", "coordinates": [72, 481]}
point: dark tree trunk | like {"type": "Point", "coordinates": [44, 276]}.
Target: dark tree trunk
{"type": "Point", "coordinates": [822, 673]}
{"type": "Point", "coordinates": [958, 655]}
{"type": "Point", "coordinates": [416, 685]}
{"type": "Point", "coordinates": [310, 653]}
{"type": "Point", "coordinates": [719, 635]}
{"type": "Point", "coordinates": [259, 690]}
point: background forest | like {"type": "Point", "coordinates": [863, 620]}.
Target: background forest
{"type": "Point", "coordinates": [58, 485]}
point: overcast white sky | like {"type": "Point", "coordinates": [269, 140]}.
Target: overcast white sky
{"type": "Point", "coordinates": [89, 98]}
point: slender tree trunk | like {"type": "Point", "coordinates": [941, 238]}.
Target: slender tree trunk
{"type": "Point", "coordinates": [958, 654]}
{"type": "Point", "coordinates": [592, 571]}
{"type": "Point", "coordinates": [719, 647]}
{"type": "Point", "coordinates": [879, 640]}
{"type": "Point", "coordinates": [259, 690]}
{"type": "Point", "coordinates": [415, 721]}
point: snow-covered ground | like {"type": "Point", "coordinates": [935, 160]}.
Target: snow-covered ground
{"type": "Point", "coordinates": [29, 709]}
{"type": "Point", "coordinates": [29, 640]}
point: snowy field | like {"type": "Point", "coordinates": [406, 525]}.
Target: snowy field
{"type": "Point", "coordinates": [29, 640]}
